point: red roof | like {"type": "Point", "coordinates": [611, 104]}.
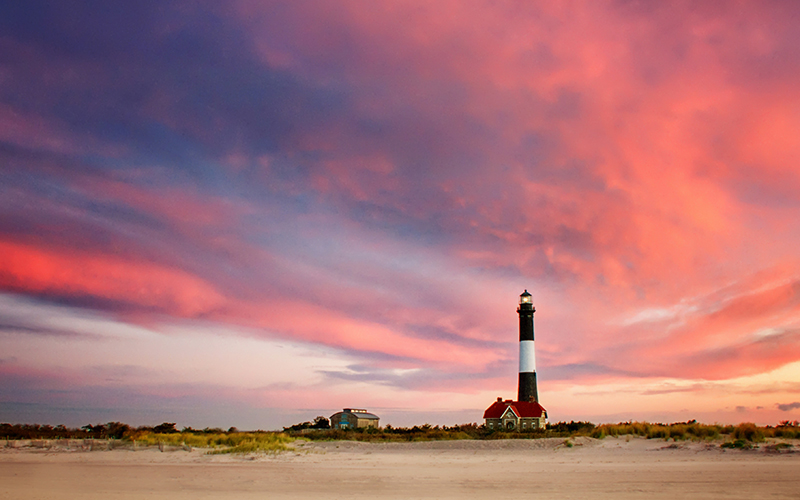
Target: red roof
{"type": "Point", "coordinates": [524, 409]}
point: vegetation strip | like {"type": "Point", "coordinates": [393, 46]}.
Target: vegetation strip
{"type": "Point", "coordinates": [742, 436]}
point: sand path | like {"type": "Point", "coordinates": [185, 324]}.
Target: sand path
{"type": "Point", "coordinates": [611, 468]}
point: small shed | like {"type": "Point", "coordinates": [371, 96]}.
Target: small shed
{"type": "Point", "coordinates": [352, 418]}
{"type": "Point", "coordinates": [515, 415]}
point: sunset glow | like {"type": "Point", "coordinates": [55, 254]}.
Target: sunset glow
{"type": "Point", "coordinates": [251, 213]}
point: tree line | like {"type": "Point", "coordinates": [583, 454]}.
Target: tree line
{"type": "Point", "coordinates": [110, 430]}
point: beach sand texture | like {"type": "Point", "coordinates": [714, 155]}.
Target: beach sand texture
{"type": "Point", "coordinates": [609, 468]}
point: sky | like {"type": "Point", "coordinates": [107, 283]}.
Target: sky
{"type": "Point", "coordinates": [251, 213]}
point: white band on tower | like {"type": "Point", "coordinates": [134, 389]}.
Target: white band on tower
{"type": "Point", "coordinates": [527, 357]}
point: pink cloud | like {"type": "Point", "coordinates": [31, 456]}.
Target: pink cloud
{"type": "Point", "coordinates": [661, 209]}
{"type": "Point", "coordinates": [743, 330]}
{"type": "Point", "coordinates": [33, 270]}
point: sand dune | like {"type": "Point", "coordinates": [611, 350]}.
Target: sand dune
{"type": "Point", "coordinates": [546, 468]}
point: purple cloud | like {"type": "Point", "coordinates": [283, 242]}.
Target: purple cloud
{"type": "Point", "coordinates": [788, 406]}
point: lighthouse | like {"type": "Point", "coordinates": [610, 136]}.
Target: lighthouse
{"type": "Point", "coordinates": [524, 414]}
{"type": "Point", "coordinates": [527, 356]}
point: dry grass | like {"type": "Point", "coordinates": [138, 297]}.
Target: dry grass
{"type": "Point", "coordinates": [232, 442]}
{"type": "Point", "coordinates": [677, 431]}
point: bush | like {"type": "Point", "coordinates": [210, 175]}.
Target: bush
{"type": "Point", "coordinates": [165, 428]}
{"type": "Point", "coordinates": [785, 429]}
{"type": "Point", "coordinates": [749, 432]}
{"type": "Point", "coordinates": [572, 428]}
{"type": "Point", "coordinates": [318, 423]}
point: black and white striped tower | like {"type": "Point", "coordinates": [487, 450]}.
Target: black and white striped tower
{"type": "Point", "coordinates": [527, 356]}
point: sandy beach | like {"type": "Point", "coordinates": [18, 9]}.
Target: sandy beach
{"type": "Point", "coordinates": [546, 468]}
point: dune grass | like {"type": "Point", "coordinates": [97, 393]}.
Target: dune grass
{"type": "Point", "coordinates": [230, 442]}
{"type": "Point", "coordinates": [679, 431]}
{"type": "Point", "coordinates": [744, 436]}
{"type": "Point", "coordinates": [256, 446]}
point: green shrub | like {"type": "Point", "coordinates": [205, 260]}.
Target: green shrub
{"type": "Point", "coordinates": [739, 444]}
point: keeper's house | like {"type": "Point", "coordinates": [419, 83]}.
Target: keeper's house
{"type": "Point", "coordinates": [515, 415]}
{"type": "Point", "coordinates": [351, 418]}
